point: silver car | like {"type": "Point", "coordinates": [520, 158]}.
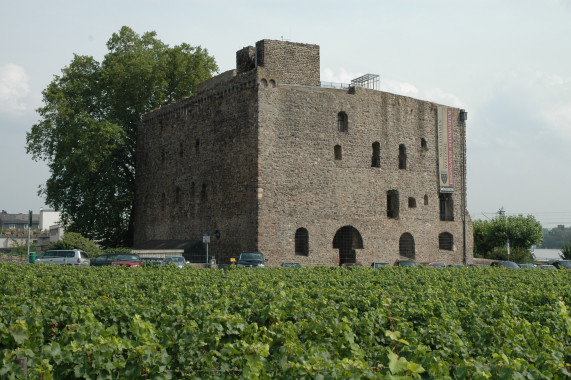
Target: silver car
{"type": "Point", "coordinates": [75, 257]}
{"type": "Point", "coordinates": [174, 260]}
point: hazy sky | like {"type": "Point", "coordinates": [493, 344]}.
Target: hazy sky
{"type": "Point", "coordinates": [508, 63]}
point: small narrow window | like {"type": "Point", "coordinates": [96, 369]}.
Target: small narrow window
{"type": "Point", "coordinates": [301, 242]}
{"type": "Point", "coordinates": [423, 143]}
{"type": "Point", "coordinates": [411, 202]}
{"type": "Point", "coordinates": [163, 202]}
{"type": "Point", "coordinates": [342, 123]}
{"type": "Point", "coordinates": [162, 156]}
{"type": "Point", "coordinates": [191, 200]}
{"type": "Point", "coordinates": [402, 156]}
{"type": "Point", "coordinates": [392, 204]}
{"type": "Point", "coordinates": [426, 199]}
{"type": "Point", "coordinates": [376, 158]}
{"type": "Point", "coordinates": [203, 195]}
{"type": "Point", "coordinates": [177, 195]}
{"type": "Point", "coordinates": [197, 146]}
{"type": "Point", "coordinates": [446, 241]}
{"type": "Point", "coordinates": [181, 149]}
{"type": "Point", "coordinates": [446, 207]}
{"type": "Point", "coordinates": [337, 152]}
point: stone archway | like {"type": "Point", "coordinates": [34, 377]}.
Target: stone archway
{"type": "Point", "coordinates": [347, 239]}
{"type": "Point", "coordinates": [406, 246]}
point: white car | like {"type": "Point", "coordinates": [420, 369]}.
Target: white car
{"type": "Point", "coordinates": [75, 257]}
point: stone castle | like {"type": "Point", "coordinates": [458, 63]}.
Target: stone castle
{"type": "Point", "coordinates": [264, 158]}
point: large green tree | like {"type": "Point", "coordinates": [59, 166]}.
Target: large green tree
{"type": "Point", "coordinates": [87, 127]}
{"type": "Point", "coordinates": [491, 236]}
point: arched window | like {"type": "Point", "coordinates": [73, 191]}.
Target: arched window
{"type": "Point", "coordinates": [342, 122]}
{"type": "Point", "coordinates": [402, 156]}
{"type": "Point", "coordinates": [411, 202]}
{"type": "Point", "coordinates": [446, 241]}
{"type": "Point", "coordinates": [426, 199]}
{"type": "Point", "coordinates": [302, 242]}
{"type": "Point", "coordinates": [406, 246]}
{"type": "Point", "coordinates": [423, 143]}
{"type": "Point", "coordinates": [376, 158]}
{"type": "Point", "coordinates": [337, 152]}
{"type": "Point", "coordinates": [392, 204]}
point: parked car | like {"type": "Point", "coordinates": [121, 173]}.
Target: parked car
{"type": "Point", "coordinates": [351, 265]}
{"type": "Point", "coordinates": [504, 264]}
{"type": "Point", "coordinates": [562, 264]}
{"type": "Point", "coordinates": [127, 260]}
{"type": "Point", "coordinates": [251, 260]}
{"type": "Point", "coordinates": [74, 257]}
{"type": "Point", "coordinates": [527, 266]}
{"type": "Point", "coordinates": [174, 260]}
{"type": "Point", "coordinates": [547, 266]}
{"type": "Point", "coordinates": [405, 263]}
{"type": "Point", "coordinates": [291, 265]}
{"type": "Point", "coordinates": [435, 264]}
{"type": "Point", "coordinates": [152, 261]}
{"type": "Point", "coordinates": [104, 259]}
{"type": "Point", "coordinates": [460, 266]}
{"type": "Point", "coordinates": [380, 265]}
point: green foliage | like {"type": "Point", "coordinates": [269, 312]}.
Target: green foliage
{"type": "Point", "coordinates": [405, 323]}
{"type": "Point", "coordinates": [566, 251]}
{"type": "Point", "coordinates": [518, 255]}
{"type": "Point", "coordinates": [73, 240]}
{"type": "Point", "coordinates": [86, 132]}
{"type": "Point", "coordinates": [555, 237]}
{"type": "Point", "coordinates": [20, 247]}
{"type": "Point", "coordinates": [119, 250]}
{"type": "Point", "coordinates": [522, 231]}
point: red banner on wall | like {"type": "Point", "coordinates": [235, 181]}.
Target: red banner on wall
{"type": "Point", "coordinates": [445, 119]}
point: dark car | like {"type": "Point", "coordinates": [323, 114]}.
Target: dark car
{"type": "Point", "coordinates": [527, 266]}
{"type": "Point", "coordinates": [152, 261]}
{"type": "Point", "coordinates": [562, 264]}
{"type": "Point", "coordinates": [405, 263]}
{"type": "Point", "coordinates": [380, 265]}
{"type": "Point", "coordinates": [127, 260]}
{"type": "Point", "coordinates": [251, 260]}
{"type": "Point", "coordinates": [104, 259]}
{"type": "Point", "coordinates": [504, 264]}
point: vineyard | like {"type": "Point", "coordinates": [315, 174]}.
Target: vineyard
{"type": "Point", "coordinates": [66, 322]}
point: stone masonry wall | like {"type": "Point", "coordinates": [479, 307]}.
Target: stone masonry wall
{"type": "Point", "coordinates": [303, 186]}
{"type": "Point", "coordinates": [197, 168]}
{"type": "Point", "coordinates": [291, 63]}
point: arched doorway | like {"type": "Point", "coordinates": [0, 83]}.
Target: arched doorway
{"type": "Point", "coordinates": [406, 246]}
{"type": "Point", "coordinates": [347, 239]}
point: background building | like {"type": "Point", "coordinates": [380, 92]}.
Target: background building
{"type": "Point", "coordinates": [266, 159]}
